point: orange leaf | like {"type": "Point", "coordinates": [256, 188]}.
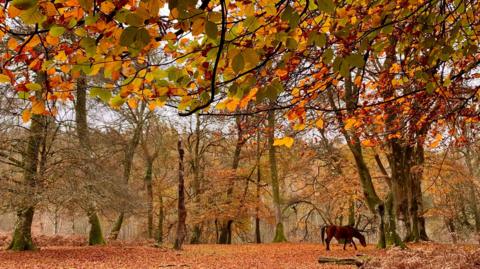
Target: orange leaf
{"type": "Point", "coordinates": [12, 44]}
{"type": "Point", "coordinates": [38, 107]}
{"type": "Point", "coordinates": [26, 115]}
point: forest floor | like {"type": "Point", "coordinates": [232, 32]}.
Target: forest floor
{"type": "Point", "coordinates": [285, 255]}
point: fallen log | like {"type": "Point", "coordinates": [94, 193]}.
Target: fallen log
{"type": "Point", "coordinates": [342, 261]}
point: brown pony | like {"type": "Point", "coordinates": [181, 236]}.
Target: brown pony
{"type": "Point", "coordinates": [342, 232]}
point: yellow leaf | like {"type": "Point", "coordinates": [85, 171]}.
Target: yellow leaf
{"type": "Point", "coordinates": [396, 68]}
{"type": "Point", "coordinates": [38, 107]}
{"type": "Point", "coordinates": [232, 104]}
{"type": "Point", "coordinates": [26, 115]}
{"type": "Point", "coordinates": [299, 127]}
{"type": "Point", "coordinates": [368, 143]}
{"type": "Point", "coordinates": [107, 7]}
{"type": "Point", "coordinates": [286, 141]}
{"type": "Point", "coordinates": [319, 123]}
{"type": "Point", "coordinates": [4, 79]}
{"type": "Point", "coordinates": [349, 123]}
{"type": "Point", "coordinates": [132, 103]}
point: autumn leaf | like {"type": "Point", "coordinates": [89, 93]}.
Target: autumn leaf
{"type": "Point", "coordinates": [4, 79]}
{"type": "Point", "coordinates": [38, 107]}
{"type": "Point", "coordinates": [107, 7]}
{"type": "Point", "coordinates": [349, 123]}
{"type": "Point", "coordinates": [436, 141]}
{"type": "Point", "coordinates": [285, 141]}
{"type": "Point", "coordinates": [319, 123]}
{"type": "Point", "coordinates": [26, 115]}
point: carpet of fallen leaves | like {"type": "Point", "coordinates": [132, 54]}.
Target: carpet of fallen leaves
{"type": "Point", "coordinates": [285, 255]}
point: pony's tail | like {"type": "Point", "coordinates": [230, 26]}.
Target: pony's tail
{"type": "Point", "coordinates": [323, 233]}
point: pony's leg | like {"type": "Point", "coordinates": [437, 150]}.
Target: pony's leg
{"type": "Point", "coordinates": [328, 242]}
{"type": "Point", "coordinates": [345, 244]}
{"type": "Point", "coordinates": [355, 246]}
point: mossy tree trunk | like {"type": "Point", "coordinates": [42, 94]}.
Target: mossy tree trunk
{"type": "Point", "coordinates": [374, 203]}
{"type": "Point", "coordinates": [182, 212]}
{"type": "Point", "coordinates": [95, 234]}
{"type": "Point", "coordinates": [279, 229]}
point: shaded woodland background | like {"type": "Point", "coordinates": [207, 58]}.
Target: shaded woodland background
{"type": "Point", "coordinates": [131, 168]}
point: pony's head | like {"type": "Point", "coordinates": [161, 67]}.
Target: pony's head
{"type": "Point", "coordinates": [360, 237]}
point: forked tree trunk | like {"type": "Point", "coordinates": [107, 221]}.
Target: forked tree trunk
{"type": "Point", "coordinates": [127, 167]}
{"type": "Point", "coordinates": [279, 229]}
{"type": "Point", "coordinates": [182, 212]}
{"type": "Point", "coordinates": [374, 203]}
{"type": "Point", "coordinates": [95, 234]}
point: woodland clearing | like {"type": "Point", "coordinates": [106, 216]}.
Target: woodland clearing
{"type": "Point", "coordinates": [278, 255]}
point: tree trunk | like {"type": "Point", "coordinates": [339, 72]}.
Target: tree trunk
{"type": "Point", "coordinates": [22, 235]}
{"type": "Point", "coordinates": [226, 229]}
{"type": "Point", "coordinates": [161, 217]}
{"type": "Point", "coordinates": [148, 184]}
{"type": "Point", "coordinates": [451, 229]}
{"type": "Point", "coordinates": [197, 230]}
{"type": "Point", "coordinates": [374, 203]}
{"type": "Point", "coordinates": [279, 230]}
{"type": "Point", "coordinates": [95, 234]}
{"type": "Point", "coordinates": [182, 212]}
{"type": "Point", "coordinates": [258, 237]}
{"type": "Point", "coordinates": [127, 167]}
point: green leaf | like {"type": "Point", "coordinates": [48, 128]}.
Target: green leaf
{"type": "Point", "coordinates": [211, 30]}
{"type": "Point", "coordinates": [89, 20]}
{"type": "Point", "coordinates": [327, 56]}
{"type": "Point", "coordinates": [89, 45]}
{"type": "Point", "coordinates": [32, 16]}
{"type": "Point", "coordinates": [134, 37]}
{"type": "Point", "coordinates": [57, 30]}
{"type": "Point", "coordinates": [23, 95]}
{"type": "Point", "coordinates": [317, 39]}
{"type": "Point", "coordinates": [134, 20]}
{"type": "Point", "coordinates": [24, 4]}
{"type": "Point", "coordinates": [292, 43]}
{"type": "Point", "coordinates": [326, 6]}
{"type": "Point", "coordinates": [355, 60]}
{"type": "Point", "coordinates": [33, 86]}
{"type": "Point", "coordinates": [142, 37]}
{"type": "Point", "coordinates": [238, 63]}
{"type": "Point", "coordinates": [103, 94]}
{"type": "Point", "coordinates": [430, 87]}
{"type": "Point", "coordinates": [117, 100]}
{"type": "Point", "coordinates": [87, 5]}
{"type": "Point", "coordinates": [127, 37]}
